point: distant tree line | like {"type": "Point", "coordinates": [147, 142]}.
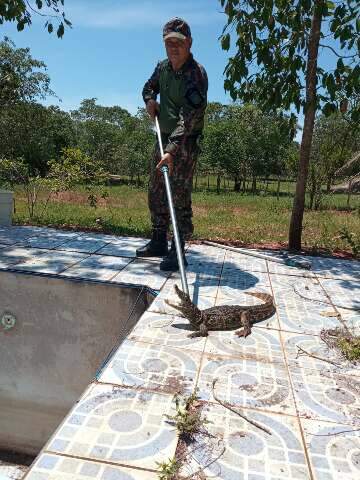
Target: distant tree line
{"type": "Point", "coordinates": [240, 142]}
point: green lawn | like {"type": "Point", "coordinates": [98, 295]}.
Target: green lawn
{"type": "Point", "coordinates": [245, 218]}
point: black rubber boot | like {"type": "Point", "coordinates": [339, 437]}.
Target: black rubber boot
{"type": "Point", "coordinates": [157, 247]}
{"type": "Point", "coordinates": [170, 263]}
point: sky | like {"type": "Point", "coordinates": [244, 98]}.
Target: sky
{"type": "Point", "coordinates": [114, 46]}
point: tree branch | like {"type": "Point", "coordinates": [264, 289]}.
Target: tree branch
{"type": "Point", "coordinates": [335, 52]}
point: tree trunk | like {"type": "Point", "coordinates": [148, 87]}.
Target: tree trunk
{"type": "Point", "coordinates": [196, 182]}
{"type": "Point", "coordinates": [310, 111]}
{"type": "Point", "coordinates": [208, 182]}
{"type": "Point", "coordinates": [218, 184]}
{"type": "Point", "coordinates": [349, 194]}
{"type": "Point", "coordinates": [236, 184]}
{"type": "Point", "coordinates": [278, 188]}
{"type": "Point", "coordinates": [253, 186]}
{"type": "Point", "coordinates": [328, 185]}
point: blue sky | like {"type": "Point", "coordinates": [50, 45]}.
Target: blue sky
{"type": "Point", "coordinates": [114, 45]}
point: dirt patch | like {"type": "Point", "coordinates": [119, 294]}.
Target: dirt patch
{"type": "Point", "coordinates": [239, 210]}
{"type": "Point", "coordinates": [200, 211]}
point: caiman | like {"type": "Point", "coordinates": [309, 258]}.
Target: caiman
{"type": "Point", "coordinates": [224, 317]}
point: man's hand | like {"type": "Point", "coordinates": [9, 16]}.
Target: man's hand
{"type": "Point", "coordinates": [153, 108]}
{"type": "Point", "coordinates": [168, 160]}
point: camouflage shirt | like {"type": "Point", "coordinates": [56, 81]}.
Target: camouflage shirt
{"type": "Point", "coordinates": [183, 100]}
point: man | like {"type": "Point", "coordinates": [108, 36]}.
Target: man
{"type": "Point", "coordinates": [182, 84]}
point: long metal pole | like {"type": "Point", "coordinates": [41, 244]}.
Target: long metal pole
{"type": "Point", "coordinates": [165, 171]}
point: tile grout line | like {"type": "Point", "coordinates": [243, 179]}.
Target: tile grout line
{"type": "Point", "coordinates": [342, 321]}
{"type": "Point", "coordinates": [292, 391]}
{"type": "Point", "coordinates": [105, 462]}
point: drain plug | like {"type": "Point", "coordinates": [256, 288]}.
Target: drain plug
{"type": "Point", "coordinates": [7, 321]}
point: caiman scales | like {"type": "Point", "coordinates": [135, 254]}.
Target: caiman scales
{"type": "Point", "coordinates": [224, 317]}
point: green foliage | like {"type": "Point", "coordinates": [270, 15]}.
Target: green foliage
{"type": "Point", "coordinates": [350, 347]}
{"type": "Point", "coordinates": [75, 167]}
{"type": "Point", "coordinates": [334, 141]}
{"type": "Point", "coordinates": [168, 470]}
{"type": "Point", "coordinates": [352, 240]}
{"type": "Point", "coordinates": [21, 12]}
{"type": "Point", "coordinates": [270, 49]}
{"type": "Point", "coordinates": [21, 77]}
{"type": "Point", "coordinates": [15, 172]}
{"type": "Point", "coordinates": [187, 419]}
{"type": "Point", "coordinates": [241, 142]}
{"type": "Point", "coordinates": [35, 133]}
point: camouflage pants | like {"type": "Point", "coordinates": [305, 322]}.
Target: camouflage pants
{"type": "Point", "coordinates": [181, 187]}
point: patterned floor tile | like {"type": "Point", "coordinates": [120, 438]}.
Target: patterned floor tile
{"type": "Point", "coordinates": [302, 305]}
{"type": "Point", "coordinates": [240, 280]}
{"type": "Point", "coordinates": [123, 426]}
{"type": "Point", "coordinates": [280, 269]}
{"type": "Point", "coordinates": [142, 272]}
{"type": "Point", "coordinates": [343, 293]}
{"type": "Point", "coordinates": [169, 330]}
{"type": "Point", "coordinates": [12, 235]}
{"type": "Point", "coordinates": [84, 244]}
{"type": "Point", "coordinates": [52, 261]}
{"type": "Point", "coordinates": [260, 344]}
{"type": "Point", "coordinates": [156, 367]}
{"type": "Point", "coordinates": [336, 268]}
{"type": "Point", "coordinates": [334, 450]}
{"type": "Point", "coordinates": [198, 284]}
{"type": "Point", "coordinates": [351, 318]}
{"type": "Point", "coordinates": [202, 258]}
{"type": "Point", "coordinates": [241, 261]}
{"type": "Point", "coordinates": [14, 255]}
{"type": "Point", "coordinates": [98, 267]}
{"type": "Point", "coordinates": [232, 293]}
{"type": "Point", "coordinates": [325, 395]}
{"type": "Point", "coordinates": [48, 240]}
{"type": "Point", "coordinates": [123, 247]}
{"type": "Point", "coordinates": [246, 382]}
{"type": "Point", "coordinates": [297, 346]}
{"type": "Point", "coordinates": [234, 449]}
{"type": "Point", "coordinates": [56, 467]}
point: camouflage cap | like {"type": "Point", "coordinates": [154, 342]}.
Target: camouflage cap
{"type": "Point", "coordinates": [176, 28]}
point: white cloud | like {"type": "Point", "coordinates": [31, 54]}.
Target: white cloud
{"type": "Point", "coordinates": [140, 14]}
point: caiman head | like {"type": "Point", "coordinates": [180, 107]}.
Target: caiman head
{"type": "Point", "coordinates": [187, 308]}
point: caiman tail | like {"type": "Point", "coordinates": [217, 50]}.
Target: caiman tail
{"type": "Point", "coordinates": [265, 309]}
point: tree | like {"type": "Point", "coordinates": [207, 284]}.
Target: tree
{"type": "Point", "coordinates": [101, 131]}
{"type": "Point", "coordinates": [35, 133]}
{"type": "Point", "coordinates": [22, 11]}
{"type": "Point", "coordinates": [275, 65]}
{"type": "Point", "coordinates": [22, 78]}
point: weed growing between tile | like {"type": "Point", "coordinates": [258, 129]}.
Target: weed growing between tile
{"type": "Point", "coordinates": [189, 423]}
{"type": "Point", "coordinates": [344, 341]}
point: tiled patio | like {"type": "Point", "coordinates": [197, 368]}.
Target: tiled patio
{"type": "Point", "coordinates": [118, 430]}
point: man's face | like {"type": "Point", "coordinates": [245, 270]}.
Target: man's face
{"type": "Point", "coordinates": [177, 50]}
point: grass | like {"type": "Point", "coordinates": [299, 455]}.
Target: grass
{"type": "Point", "coordinates": [240, 218]}
{"type": "Point", "coordinates": [344, 340]}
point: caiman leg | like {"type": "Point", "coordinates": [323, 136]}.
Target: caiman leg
{"type": "Point", "coordinates": [202, 332]}
{"type": "Point", "coordinates": [245, 322]}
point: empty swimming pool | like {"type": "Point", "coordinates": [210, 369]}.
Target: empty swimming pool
{"type": "Point", "coordinates": [55, 333]}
